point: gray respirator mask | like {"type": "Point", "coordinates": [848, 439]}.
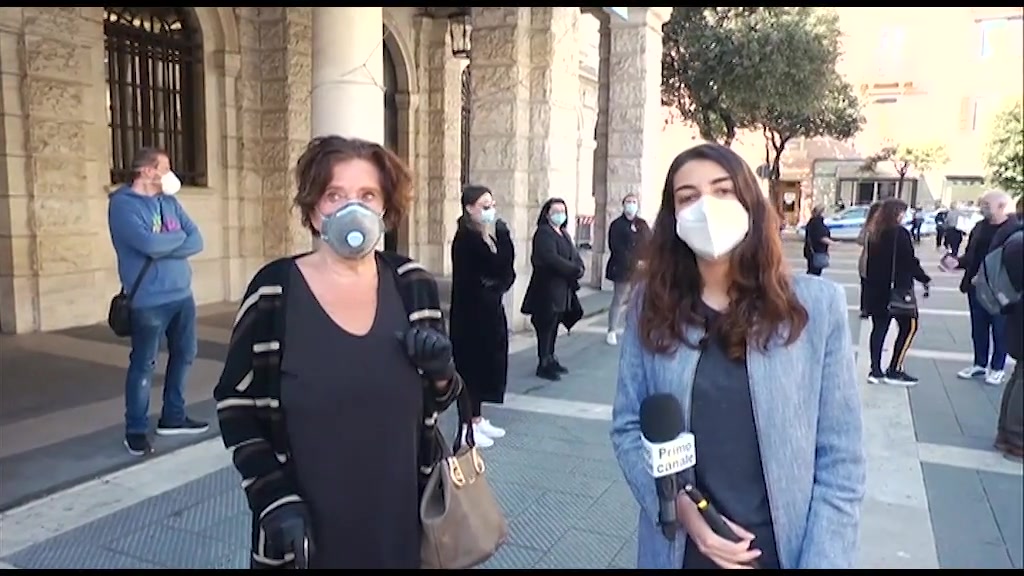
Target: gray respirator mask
{"type": "Point", "coordinates": [352, 231]}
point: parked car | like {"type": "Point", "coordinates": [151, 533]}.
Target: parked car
{"type": "Point", "coordinates": [847, 224]}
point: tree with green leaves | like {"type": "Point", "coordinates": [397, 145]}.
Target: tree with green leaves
{"type": "Point", "coordinates": [709, 68]}
{"type": "Point", "coordinates": [903, 157]}
{"type": "Point", "coordinates": [1004, 153]}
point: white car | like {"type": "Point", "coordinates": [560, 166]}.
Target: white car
{"type": "Point", "coordinates": [847, 224]}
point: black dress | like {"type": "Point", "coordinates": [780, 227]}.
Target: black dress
{"type": "Point", "coordinates": [352, 407]}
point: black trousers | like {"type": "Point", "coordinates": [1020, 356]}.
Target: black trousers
{"type": "Point", "coordinates": [954, 238]}
{"type": "Point", "coordinates": [812, 270]}
{"type": "Point", "coordinates": [940, 237]}
{"type": "Point", "coordinates": [546, 326]}
{"type": "Point", "coordinates": [863, 296]}
{"type": "Point", "coordinates": [907, 329]}
{"type": "Point", "coordinates": [1011, 411]}
{"type": "Point", "coordinates": [475, 404]}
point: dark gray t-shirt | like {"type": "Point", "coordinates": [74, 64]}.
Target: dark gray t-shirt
{"type": "Point", "coordinates": [729, 468]}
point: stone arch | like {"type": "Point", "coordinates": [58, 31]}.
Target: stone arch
{"type": "Point", "coordinates": [219, 28]}
{"type": "Point", "coordinates": [398, 49]}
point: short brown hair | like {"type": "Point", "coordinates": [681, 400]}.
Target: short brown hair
{"type": "Point", "coordinates": [315, 168]}
{"type": "Point", "coordinates": [146, 157]}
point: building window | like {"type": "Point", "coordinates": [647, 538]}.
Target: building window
{"type": "Point", "coordinates": [154, 72]}
{"type": "Point", "coordinates": [890, 49]}
{"type": "Point", "coordinates": [1000, 36]}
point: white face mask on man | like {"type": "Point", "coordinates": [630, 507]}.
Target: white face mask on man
{"type": "Point", "coordinates": [713, 226]}
{"type": "Point", "coordinates": [170, 184]}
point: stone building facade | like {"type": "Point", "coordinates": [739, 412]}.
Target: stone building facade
{"type": "Point", "coordinates": [268, 79]}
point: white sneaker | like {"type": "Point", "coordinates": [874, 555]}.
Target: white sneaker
{"type": "Point", "coordinates": [490, 430]}
{"type": "Point", "coordinates": [481, 439]}
{"type": "Point", "coordinates": [994, 377]}
{"type": "Point", "coordinates": [972, 372]}
{"type": "Point", "coordinates": [612, 339]}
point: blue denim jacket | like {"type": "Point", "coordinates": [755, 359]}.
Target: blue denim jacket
{"type": "Point", "coordinates": [807, 406]}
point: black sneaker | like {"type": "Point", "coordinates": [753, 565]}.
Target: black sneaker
{"type": "Point", "coordinates": [548, 372]}
{"type": "Point", "coordinates": [137, 444]}
{"type": "Point", "coordinates": [899, 378]}
{"type": "Point", "coordinates": [558, 367]}
{"type": "Point", "coordinates": [187, 426]}
{"type": "Point", "coordinates": [875, 377]}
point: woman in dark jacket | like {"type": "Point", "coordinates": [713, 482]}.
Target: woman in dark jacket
{"type": "Point", "coordinates": [892, 268]}
{"type": "Point", "coordinates": [817, 239]}
{"type": "Point", "coordinates": [627, 235]}
{"type": "Point", "coordinates": [551, 295]}
{"type": "Point", "coordinates": [482, 271]}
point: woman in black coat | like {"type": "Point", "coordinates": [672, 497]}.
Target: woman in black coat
{"type": "Point", "coordinates": [551, 296]}
{"type": "Point", "coordinates": [482, 271]}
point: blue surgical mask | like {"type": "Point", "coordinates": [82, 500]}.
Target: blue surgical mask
{"type": "Point", "coordinates": [488, 215]}
{"type": "Point", "coordinates": [558, 218]}
{"type": "Point", "coordinates": [353, 230]}
{"type": "Point", "coordinates": [630, 209]}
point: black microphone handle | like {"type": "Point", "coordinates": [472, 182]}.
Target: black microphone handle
{"type": "Point", "coordinates": [713, 517]}
{"type": "Point", "coordinates": [667, 489]}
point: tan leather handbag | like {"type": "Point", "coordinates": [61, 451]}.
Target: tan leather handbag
{"type": "Point", "coordinates": [463, 524]}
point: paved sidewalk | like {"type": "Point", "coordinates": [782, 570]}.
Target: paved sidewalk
{"type": "Point", "coordinates": [937, 496]}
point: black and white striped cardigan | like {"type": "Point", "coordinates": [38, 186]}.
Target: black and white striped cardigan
{"type": "Point", "coordinates": [248, 394]}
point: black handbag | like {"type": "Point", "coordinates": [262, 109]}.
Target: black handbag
{"type": "Point", "coordinates": [902, 301]}
{"type": "Point", "coordinates": [819, 260]}
{"type": "Point", "coordinates": [119, 317]}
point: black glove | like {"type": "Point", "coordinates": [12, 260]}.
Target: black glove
{"type": "Point", "coordinates": [288, 530]}
{"type": "Point", "coordinates": [430, 351]}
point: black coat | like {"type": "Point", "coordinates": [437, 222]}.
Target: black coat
{"type": "Point", "coordinates": [625, 240]}
{"type": "Point", "coordinates": [557, 269]}
{"type": "Point", "coordinates": [1013, 260]}
{"type": "Point", "coordinates": [479, 329]}
{"type": "Point", "coordinates": [892, 264]}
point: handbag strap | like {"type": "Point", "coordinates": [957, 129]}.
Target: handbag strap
{"type": "Point", "coordinates": [138, 279]}
{"type": "Point", "coordinates": [895, 244]}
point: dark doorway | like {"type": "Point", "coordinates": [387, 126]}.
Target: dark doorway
{"type": "Point", "coordinates": [390, 124]}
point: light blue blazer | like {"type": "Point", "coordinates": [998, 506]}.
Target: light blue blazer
{"type": "Point", "coordinates": [807, 407]}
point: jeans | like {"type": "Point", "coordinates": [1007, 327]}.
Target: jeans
{"type": "Point", "coordinates": [176, 321]}
{"type": "Point", "coordinates": [620, 295]}
{"type": "Point", "coordinates": [984, 325]}
{"type": "Point", "coordinates": [907, 329]}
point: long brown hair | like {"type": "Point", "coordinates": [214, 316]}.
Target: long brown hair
{"type": "Point", "coordinates": [869, 220]}
{"type": "Point", "coordinates": [763, 304]}
{"type": "Point", "coordinates": [887, 217]}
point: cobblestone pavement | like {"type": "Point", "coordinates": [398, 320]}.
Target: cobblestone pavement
{"type": "Point", "coordinates": [931, 473]}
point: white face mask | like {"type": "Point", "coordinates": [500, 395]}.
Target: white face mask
{"type": "Point", "coordinates": [170, 184]}
{"type": "Point", "coordinates": [712, 226]}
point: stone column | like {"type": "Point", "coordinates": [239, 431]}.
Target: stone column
{"type": "Point", "coordinates": [54, 169]}
{"type": "Point", "coordinates": [282, 74]}
{"type": "Point", "coordinates": [631, 118]}
{"type": "Point", "coordinates": [348, 72]}
{"type": "Point", "coordinates": [500, 128]}
{"type": "Point", "coordinates": [440, 148]}
{"type": "Point", "coordinates": [554, 99]}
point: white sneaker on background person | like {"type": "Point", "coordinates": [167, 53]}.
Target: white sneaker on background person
{"type": "Point", "coordinates": [488, 429]}
{"type": "Point", "coordinates": [972, 372]}
{"type": "Point", "coordinates": [481, 439]}
{"type": "Point", "coordinates": [995, 377]}
{"type": "Point", "coordinates": [612, 339]}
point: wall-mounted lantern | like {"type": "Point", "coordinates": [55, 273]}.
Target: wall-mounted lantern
{"type": "Point", "coordinates": [460, 29]}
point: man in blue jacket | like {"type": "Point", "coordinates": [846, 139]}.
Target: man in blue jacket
{"type": "Point", "coordinates": [148, 224]}
{"type": "Point", "coordinates": [1010, 434]}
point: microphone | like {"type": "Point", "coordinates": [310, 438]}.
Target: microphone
{"type": "Point", "coordinates": [669, 451]}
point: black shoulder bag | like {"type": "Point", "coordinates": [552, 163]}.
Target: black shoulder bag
{"type": "Point", "coordinates": [119, 317]}
{"type": "Point", "coordinates": [902, 301]}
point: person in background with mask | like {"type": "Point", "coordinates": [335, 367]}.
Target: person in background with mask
{"type": "Point", "coordinates": [999, 222]}
{"type": "Point", "coordinates": [891, 265]}
{"type": "Point", "coordinates": [1010, 431]}
{"type": "Point", "coordinates": [817, 239]}
{"type": "Point", "coordinates": [627, 235]}
{"type": "Point", "coordinates": [483, 259]}
{"type": "Point", "coordinates": [551, 297]}
{"type": "Point", "coordinates": [941, 213]}
{"type": "Point", "coordinates": [954, 235]}
{"type": "Point", "coordinates": [762, 362]}
{"type": "Point", "coordinates": [350, 344]}
{"type": "Point", "coordinates": [153, 238]}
